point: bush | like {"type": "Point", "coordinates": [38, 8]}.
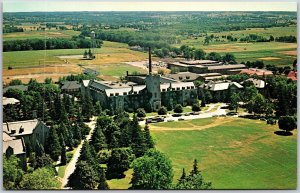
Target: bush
{"type": "Point", "coordinates": [178, 109]}
{"type": "Point", "coordinates": [140, 112]}
{"type": "Point", "coordinates": [196, 107]}
{"type": "Point", "coordinates": [162, 111]}
{"type": "Point", "coordinates": [287, 123]}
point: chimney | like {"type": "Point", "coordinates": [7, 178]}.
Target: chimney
{"type": "Point", "coordinates": [150, 62]}
{"type": "Point", "coordinates": [127, 73]}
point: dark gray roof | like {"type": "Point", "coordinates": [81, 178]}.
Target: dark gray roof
{"type": "Point", "coordinates": [70, 85]}
{"type": "Point", "coordinates": [184, 76]}
{"type": "Point", "coordinates": [20, 87]}
{"type": "Point", "coordinates": [89, 71]}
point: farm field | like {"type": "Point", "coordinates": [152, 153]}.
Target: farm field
{"type": "Point", "coordinates": [40, 64]}
{"type": "Point", "coordinates": [233, 154]}
{"type": "Point", "coordinates": [40, 34]}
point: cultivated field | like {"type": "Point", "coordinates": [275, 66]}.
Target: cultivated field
{"type": "Point", "coordinates": [233, 153]}
{"type": "Point", "coordinates": [40, 64]}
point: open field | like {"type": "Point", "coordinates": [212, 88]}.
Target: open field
{"type": "Point", "coordinates": [40, 64]}
{"type": "Point", "coordinates": [284, 52]}
{"type": "Point", "coordinates": [233, 154]}
{"type": "Point", "coordinates": [40, 34]}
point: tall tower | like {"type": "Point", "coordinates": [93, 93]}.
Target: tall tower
{"type": "Point", "coordinates": [152, 82]}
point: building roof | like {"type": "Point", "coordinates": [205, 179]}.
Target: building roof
{"type": "Point", "coordinates": [125, 91]}
{"type": "Point", "coordinates": [177, 85]}
{"type": "Point", "coordinates": [258, 72]}
{"type": "Point", "coordinates": [218, 86]}
{"type": "Point", "coordinates": [292, 75]}
{"type": "Point", "coordinates": [85, 83]}
{"type": "Point", "coordinates": [230, 66]}
{"type": "Point", "coordinates": [6, 101]}
{"type": "Point", "coordinates": [20, 127]}
{"type": "Point", "coordinates": [20, 87]}
{"type": "Point", "coordinates": [16, 144]}
{"type": "Point", "coordinates": [183, 76]}
{"type": "Point", "coordinates": [210, 74]}
{"type": "Point", "coordinates": [195, 62]}
{"type": "Point", "coordinates": [70, 85]}
{"type": "Point", "coordinates": [6, 137]}
{"type": "Point", "coordinates": [89, 71]}
{"type": "Point", "coordinates": [257, 82]}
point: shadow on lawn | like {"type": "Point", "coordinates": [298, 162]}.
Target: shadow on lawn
{"type": "Point", "coordinates": [283, 133]}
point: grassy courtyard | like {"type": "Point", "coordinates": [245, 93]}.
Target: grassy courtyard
{"type": "Point", "coordinates": [233, 153]}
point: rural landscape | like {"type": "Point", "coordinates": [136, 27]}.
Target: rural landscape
{"type": "Point", "coordinates": [149, 100]}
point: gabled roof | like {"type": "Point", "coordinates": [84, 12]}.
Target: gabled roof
{"type": "Point", "coordinates": [6, 101]}
{"type": "Point", "coordinates": [257, 82]}
{"type": "Point", "coordinates": [20, 127]}
{"type": "Point", "coordinates": [20, 87]}
{"type": "Point", "coordinates": [218, 86]}
{"type": "Point", "coordinates": [70, 85]}
{"type": "Point", "coordinates": [17, 145]}
{"type": "Point", "coordinates": [85, 83]}
{"type": "Point", "coordinates": [292, 75]}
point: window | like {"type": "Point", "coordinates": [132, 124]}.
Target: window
{"type": "Point", "coordinates": [188, 87]}
{"type": "Point", "coordinates": [117, 94]}
{"type": "Point", "coordinates": [173, 88]}
{"type": "Point", "coordinates": [124, 93]}
{"type": "Point", "coordinates": [178, 88]}
{"type": "Point", "coordinates": [134, 92]}
{"type": "Point", "coordinates": [183, 88]}
{"type": "Point", "coordinates": [111, 94]}
{"type": "Point", "coordinates": [163, 90]}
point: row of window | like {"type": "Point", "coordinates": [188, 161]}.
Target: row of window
{"type": "Point", "coordinates": [178, 88]}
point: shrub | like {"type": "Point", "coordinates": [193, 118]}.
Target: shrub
{"type": "Point", "coordinates": [162, 111]}
{"type": "Point", "coordinates": [178, 108]}
{"type": "Point", "coordinates": [140, 112]}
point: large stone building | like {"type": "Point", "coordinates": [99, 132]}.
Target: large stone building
{"type": "Point", "coordinates": [145, 91]}
{"type": "Point", "coordinates": [33, 132]}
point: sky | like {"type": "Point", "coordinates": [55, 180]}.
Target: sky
{"type": "Point", "coordinates": [154, 5]}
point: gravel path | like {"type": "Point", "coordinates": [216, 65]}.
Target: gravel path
{"type": "Point", "coordinates": [72, 164]}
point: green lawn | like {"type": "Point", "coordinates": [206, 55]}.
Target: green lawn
{"type": "Point", "coordinates": [241, 154]}
{"type": "Point", "coordinates": [118, 69]}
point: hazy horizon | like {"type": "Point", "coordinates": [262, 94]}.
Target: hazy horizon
{"type": "Point", "coordinates": [80, 6]}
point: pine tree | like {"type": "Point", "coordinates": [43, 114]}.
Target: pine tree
{"type": "Point", "coordinates": [148, 138]}
{"type": "Point", "coordinates": [102, 181]}
{"type": "Point", "coordinates": [86, 153]}
{"type": "Point", "coordinates": [138, 144]}
{"type": "Point", "coordinates": [98, 140]}
{"type": "Point", "coordinates": [195, 170]}
{"type": "Point", "coordinates": [98, 108]}
{"type": "Point", "coordinates": [63, 156]}
{"type": "Point", "coordinates": [114, 143]}
{"type": "Point", "coordinates": [53, 145]}
{"type": "Point", "coordinates": [183, 175]}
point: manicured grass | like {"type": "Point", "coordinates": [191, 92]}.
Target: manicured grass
{"type": "Point", "coordinates": [241, 154]}
{"type": "Point", "coordinates": [184, 124]}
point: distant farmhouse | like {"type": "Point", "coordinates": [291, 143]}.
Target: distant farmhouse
{"type": "Point", "coordinates": [149, 91]}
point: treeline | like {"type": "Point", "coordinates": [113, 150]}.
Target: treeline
{"type": "Point", "coordinates": [49, 44]}
{"type": "Point", "coordinates": [288, 39]}
{"type": "Point", "coordinates": [11, 29]}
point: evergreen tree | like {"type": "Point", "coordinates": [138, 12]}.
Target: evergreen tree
{"type": "Point", "coordinates": [98, 140]}
{"type": "Point", "coordinates": [98, 108]}
{"type": "Point", "coordinates": [63, 156]}
{"type": "Point", "coordinates": [53, 147]}
{"type": "Point", "coordinates": [43, 161]}
{"type": "Point", "coordinates": [195, 169]}
{"type": "Point", "coordinates": [148, 138]}
{"type": "Point", "coordinates": [85, 153]}
{"type": "Point", "coordinates": [183, 175]}
{"type": "Point", "coordinates": [138, 144]}
{"type": "Point", "coordinates": [102, 181]}
{"type": "Point", "coordinates": [119, 162]}
{"type": "Point", "coordinates": [84, 177]}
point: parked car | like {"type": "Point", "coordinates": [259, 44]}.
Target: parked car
{"type": "Point", "coordinates": [231, 113]}
{"type": "Point", "coordinates": [187, 114]}
{"type": "Point", "coordinates": [195, 113]}
{"type": "Point", "coordinates": [177, 115]}
{"type": "Point", "coordinates": [181, 119]}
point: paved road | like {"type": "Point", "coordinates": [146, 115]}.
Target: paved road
{"type": "Point", "coordinates": [203, 114]}
{"type": "Point", "coordinates": [72, 164]}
